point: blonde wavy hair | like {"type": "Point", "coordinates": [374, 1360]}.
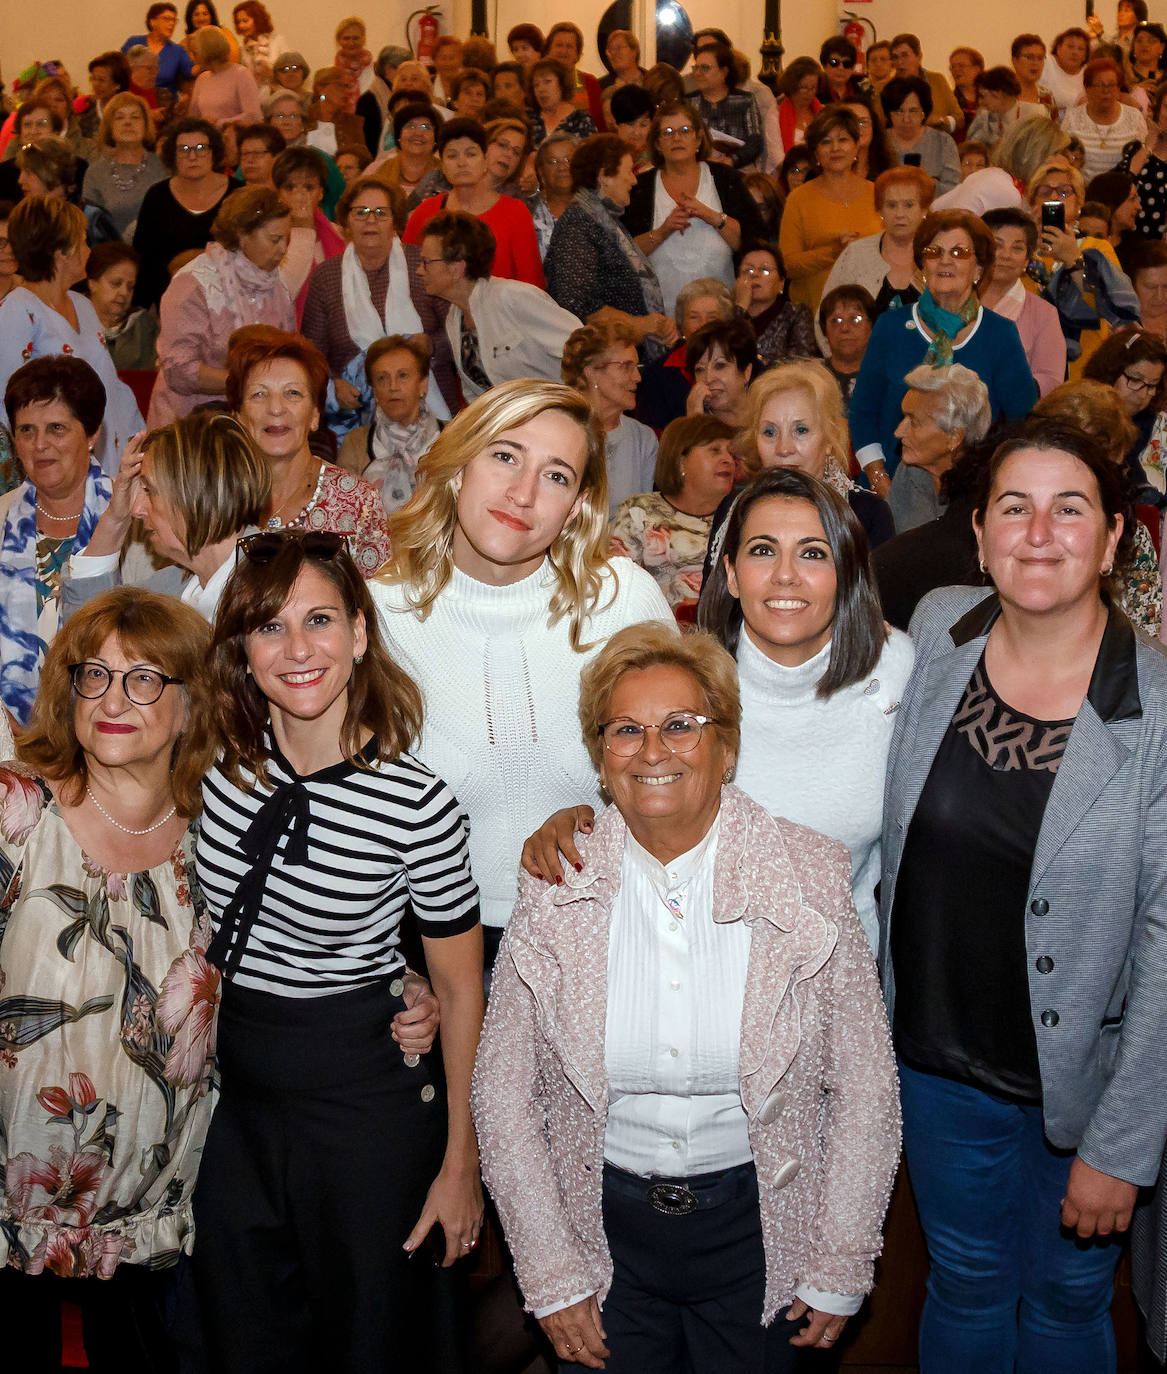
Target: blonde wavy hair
{"type": "Point", "coordinates": [815, 382]}
{"type": "Point", "coordinates": [422, 530]}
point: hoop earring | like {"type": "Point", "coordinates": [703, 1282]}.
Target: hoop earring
{"type": "Point", "coordinates": [1105, 572]}
{"type": "Point", "coordinates": [981, 565]}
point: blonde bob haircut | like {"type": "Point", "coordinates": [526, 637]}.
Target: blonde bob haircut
{"type": "Point", "coordinates": [210, 45]}
{"type": "Point", "coordinates": [652, 645]}
{"type": "Point", "coordinates": [156, 630]}
{"type": "Point", "coordinates": [422, 531]}
{"type": "Point", "coordinates": [1063, 169]}
{"type": "Point", "coordinates": [816, 383]}
{"type": "Point", "coordinates": [120, 102]}
{"type": "Point", "coordinates": [209, 472]}
{"type": "Point", "coordinates": [589, 342]}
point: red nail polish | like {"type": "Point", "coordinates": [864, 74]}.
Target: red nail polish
{"type": "Point", "coordinates": [559, 881]}
{"type": "Point", "coordinates": [578, 868]}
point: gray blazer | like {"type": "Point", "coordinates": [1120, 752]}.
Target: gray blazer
{"type": "Point", "coordinates": [1097, 901]}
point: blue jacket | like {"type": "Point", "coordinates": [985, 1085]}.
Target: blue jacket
{"type": "Point", "coordinates": [993, 351]}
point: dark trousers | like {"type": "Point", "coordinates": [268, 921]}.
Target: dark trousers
{"type": "Point", "coordinates": [687, 1291]}
{"type": "Point", "coordinates": [124, 1320]}
{"type": "Point", "coordinates": [317, 1163]}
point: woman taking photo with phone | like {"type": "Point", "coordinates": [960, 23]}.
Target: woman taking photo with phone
{"type": "Point", "coordinates": [326, 1139]}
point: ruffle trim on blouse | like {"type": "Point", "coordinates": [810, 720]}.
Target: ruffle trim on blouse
{"type": "Point", "coordinates": [155, 1239]}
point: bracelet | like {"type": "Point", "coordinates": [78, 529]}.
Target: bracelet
{"type": "Point", "coordinates": [724, 221]}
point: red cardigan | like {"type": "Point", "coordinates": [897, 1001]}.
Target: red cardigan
{"type": "Point", "coordinates": [516, 253]}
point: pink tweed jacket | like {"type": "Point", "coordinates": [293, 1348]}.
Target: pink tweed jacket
{"type": "Point", "coordinates": [817, 1074]}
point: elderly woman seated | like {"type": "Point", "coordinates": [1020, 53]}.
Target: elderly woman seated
{"type": "Point", "coordinates": [783, 329]}
{"type": "Point", "coordinates": [707, 300]}
{"type": "Point", "coordinates": [666, 531]}
{"type": "Point", "coordinates": [386, 453]}
{"type": "Point", "coordinates": [944, 408]}
{"type": "Point", "coordinates": [55, 407]}
{"type": "Point", "coordinates": [499, 330]}
{"type": "Point", "coordinates": [700, 1137]}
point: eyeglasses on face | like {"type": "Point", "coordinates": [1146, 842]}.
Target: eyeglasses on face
{"type": "Point", "coordinates": [557, 161]}
{"type": "Point", "coordinates": [759, 272]}
{"type": "Point", "coordinates": [620, 365]}
{"type": "Point", "coordinates": [289, 67]}
{"type": "Point", "coordinates": [1048, 192]}
{"type": "Point", "coordinates": [265, 547]}
{"type": "Point", "coordinates": [429, 262]}
{"type": "Point", "coordinates": [959, 251]}
{"type": "Point", "coordinates": [417, 126]}
{"type": "Point", "coordinates": [191, 149]}
{"type": "Point", "coordinates": [1137, 384]}
{"type": "Point", "coordinates": [840, 320]}
{"type": "Point", "coordinates": [679, 732]}
{"type": "Point", "coordinates": [366, 212]}
{"type": "Point", "coordinates": [670, 129]}
{"type": "Point", "coordinates": [142, 686]}
{"type": "Point", "coordinates": [291, 117]}
{"type": "Point", "coordinates": [841, 62]}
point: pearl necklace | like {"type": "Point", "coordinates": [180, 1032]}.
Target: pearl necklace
{"type": "Point", "coordinates": [275, 523]}
{"type": "Point", "coordinates": [125, 829]}
{"type": "Point", "coordinates": [60, 519]}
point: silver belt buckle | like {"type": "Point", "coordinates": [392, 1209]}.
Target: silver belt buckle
{"type": "Point", "coordinates": [672, 1199]}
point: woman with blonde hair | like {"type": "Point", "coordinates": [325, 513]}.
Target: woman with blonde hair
{"type": "Point", "coordinates": [796, 421]}
{"type": "Point", "coordinates": [126, 165]}
{"type": "Point", "coordinates": [224, 90]}
{"type": "Point", "coordinates": [498, 593]}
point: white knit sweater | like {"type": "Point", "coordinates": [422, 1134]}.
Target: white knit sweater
{"type": "Point", "coordinates": [501, 692]}
{"type": "Point", "coordinates": [821, 762]}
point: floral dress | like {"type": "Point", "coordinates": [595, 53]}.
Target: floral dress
{"type": "Point", "coordinates": [666, 542]}
{"type": "Point", "coordinates": [107, 1031]}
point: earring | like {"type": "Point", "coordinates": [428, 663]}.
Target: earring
{"type": "Point", "coordinates": [982, 567]}
{"type": "Point", "coordinates": [727, 776]}
{"type": "Point", "coordinates": [358, 658]}
{"type": "Point", "coordinates": [1107, 570]}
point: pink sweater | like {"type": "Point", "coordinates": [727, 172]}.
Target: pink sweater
{"type": "Point", "coordinates": [225, 96]}
{"type": "Point", "coordinates": [817, 1077]}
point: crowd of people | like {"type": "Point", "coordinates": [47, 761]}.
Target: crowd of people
{"type": "Point", "coordinates": [591, 647]}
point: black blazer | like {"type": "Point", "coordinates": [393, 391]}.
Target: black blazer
{"type": "Point", "coordinates": [735, 199]}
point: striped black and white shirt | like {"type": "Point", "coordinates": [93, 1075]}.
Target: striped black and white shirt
{"type": "Point", "coordinates": [377, 840]}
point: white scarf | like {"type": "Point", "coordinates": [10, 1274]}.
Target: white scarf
{"type": "Point", "coordinates": [363, 323]}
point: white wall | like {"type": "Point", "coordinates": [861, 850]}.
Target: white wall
{"type": "Point", "coordinates": [76, 30]}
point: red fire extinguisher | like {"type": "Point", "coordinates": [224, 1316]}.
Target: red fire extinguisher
{"type": "Point", "coordinates": [428, 29]}
{"type": "Point", "coordinates": [859, 32]}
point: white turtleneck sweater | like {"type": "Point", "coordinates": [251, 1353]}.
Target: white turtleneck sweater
{"type": "Point", "coordinates": [501, 693]}
{"type": "Point", "coordinates": [821, 762]}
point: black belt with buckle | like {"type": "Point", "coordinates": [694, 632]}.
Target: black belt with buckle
{"type": "Point", "coordinates": [673, 1199]}
{"type": "Point", "coordinates": [680, 1197]}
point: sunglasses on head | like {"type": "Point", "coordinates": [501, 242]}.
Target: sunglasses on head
{"type": "Point", "coordinates": [265, 547]}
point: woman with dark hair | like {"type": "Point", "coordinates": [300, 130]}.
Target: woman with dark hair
{"type": "Point", "coordinates": [782, 329]}
{"type": "Point", "coordinates": [174, 62]}
{"type": "Point", "coordinates": [1029, 1033]}
{"type": "Point", "coordinates": [234, 282]}
{"type": "Point", "coordinates": [907, 104]}
{"type": "Point", "coordinates": [554, 110]}
{"type": "Point", "coordinates": [1133, 361]}
{"type": "Point", "coordinates": [45, 315]}
{"type": "Point", "coordinates": [276, 387]}
{"type": "Point", "coordinates": [1147, 163]}
{"type": "Point", "coordinates": [797, 167]}
{"type": "Point", "coordinates": [798, 86]}
{"type": "Point", "coordinates": [314, 722]}
{"type": "Point", "coordinates": [565, 43]}
{"type": "Point", "coordinates": [178, 214]}
{"type": "Point", "coordinates": [1146, 66]}
{"type": "Point", "coordinates": [873, 158]}
{"type": "Point", "coordinates": [690, 214]}
{"type": "Point", "coordinates": [202, 14]}
{"type": "Point", "coordinates": [731, 115]}
{"type": "Point", "coordinates": [948, 324]}
{"type": "Point", "coordinates": [838, 59]}
{"type": "Point", "coordinates": [525, 44]}
{"type": "Point", "coordinates": [109, 1001]}
{"type": "Point", "coordinates": [595, 268]}
{"type": "Point", "coordinates": [300, 178]}
{"type": "Point", "coordinates": [964, 66]}
{"type": "Point", "coordinates": [1004, 291]}
{"type": "Point", "coordinates": [722, 358]}
{"type": "Point", "coordinates": [415, 129]}
{"type": "Point", "coordinates": [1062, 73]}
{"type": "Point", "coordinates": [823, 216]}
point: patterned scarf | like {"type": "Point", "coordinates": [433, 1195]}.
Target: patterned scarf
{"type": "Point", "coordinates": [21, 647]}
{"type": "Point", "coordinates": [944, 326]}
{"type": "Point", "coordinates": [607, 215]}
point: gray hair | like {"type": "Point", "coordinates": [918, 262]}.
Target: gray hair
{"type": "Point", "coordinates": [963, 399]}
{"type": "Point", "coordinates": [704, 286]}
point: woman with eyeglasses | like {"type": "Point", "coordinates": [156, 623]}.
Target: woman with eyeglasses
{"type": "Point", "coordinates": [667, 1149]}
{"type": "Point", "coordinates": [1104, 124]}
{"type": "Point", "coordinates": [178, 214]}
{"type": "Point", "coordinates": [556, 188]}
{"type": "Point", "coordinates": [234, 282]}
{"type": "Point", "coordinates": [1079, 274]}
{"type": "Point", "coordinates": [838, 58]}
{"type": "Point", "coordinates": [332, 1155]}
{"type": "Point", "coordinates": [782, 329]}
{"type": "Point", "coordinates": [954, 252]}
{"type": "Point", "coordinates": [415, 128]}
{"type": "Point", "coordinates": [1133, 361]}
{"type": "Point", "coordinates": [108, 1029]}
{"type": "Point", "coordinates": [907, 105]}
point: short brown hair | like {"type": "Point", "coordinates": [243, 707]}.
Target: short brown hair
{"type": "Point", "coordinates": [209, 471]}
{"type": "Point", "coordinates": [246, 210]}
{"type": "Point", "coordinates": [558, 70]}
{"type": "Point", "coordinates": [58, 377]}
{"type": "Point", "coordinates": [163, 632]}
{"type": "Point", "coordinates": [679, 439]}
{"type": "Point", "coordinates": [256, 345]}
{"type": "Point", "coordinates": [667, 111]}
{"type": "Point", "coordinates": [417, 345]}
{"type": "Point", "coordinates": [526, 33]}
{"type": "Point", "coordinates": [464, 238]}
{"type": "Point", "coordinates": [357, 187]}
{"type": "Point", "coordinates": [940, 221]}
{"type": "Point", "coordinates": [599, 155]}
{"type": "Point", "coordinates": [565, 26]}
{"type": "Point", "coordinates": [39, 228]}
{"type": "Point", "coordinates": [293, 160]}
{"type": "Point", "coordinates": [191, 125]}
{"type": "Point", "coordinates": [119, 102]}
{"type": "Point", "coordinates": [649, 645]}
{"type": "Point", "coordinates": [382, 697]}
{"type": "Point", "coordinates": [51, 161]}
{"type": "Point", "coordinates": [31, 106]}
{"type": "Point", "coordinates": [585, 344]}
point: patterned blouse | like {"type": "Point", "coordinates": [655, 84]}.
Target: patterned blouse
{"type": "Point", "coordinates": [344, 503]}
{"type": "Point", "coordinates": [666, 542]}
{"type": "Point", "coordinates": [579, 124]}
{"type": "Point", "coordinates": [107, 1041]}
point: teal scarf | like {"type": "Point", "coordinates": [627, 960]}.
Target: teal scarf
{"type": "Point", "coordinates": [944, 326]}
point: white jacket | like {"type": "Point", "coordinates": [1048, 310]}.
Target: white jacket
{"type": "Point", "coordinates": [521, 332]}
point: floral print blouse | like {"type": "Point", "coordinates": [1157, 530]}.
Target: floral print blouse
{"type": "Point", "coordinates": [107, 1041]}
{"type": "Point", "coordinates": [665, 542]}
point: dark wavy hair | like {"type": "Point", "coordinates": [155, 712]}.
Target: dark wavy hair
{"type": "Point", "coordinates": [382, 697]}
{"type": "Point", "coordinates": [858, 634]}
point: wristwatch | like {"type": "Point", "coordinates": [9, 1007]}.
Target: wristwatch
{"type": "Point", "coordinates": [724, 221]}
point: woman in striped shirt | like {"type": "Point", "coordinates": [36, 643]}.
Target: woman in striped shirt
{"type": "Point", "coordinates": [319, 830]}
